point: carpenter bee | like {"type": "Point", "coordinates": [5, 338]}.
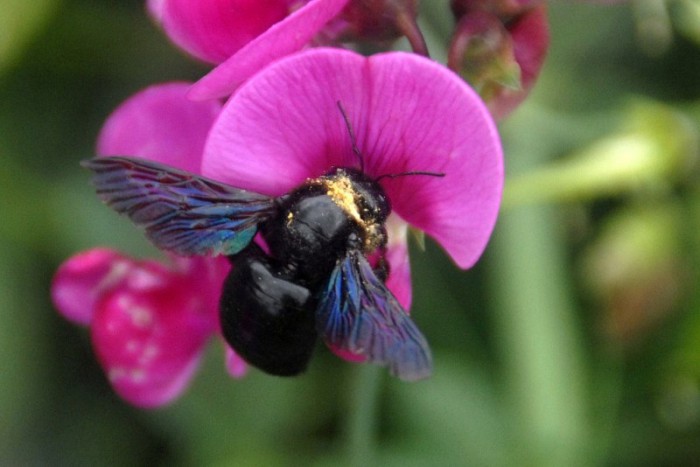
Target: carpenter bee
{"type": "Point", "coordinates": [312, 275]}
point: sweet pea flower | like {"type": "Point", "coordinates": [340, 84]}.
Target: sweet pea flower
{"type": "Point", "coordinates": [282, 127]}
{"type": "Point", "coordinates": [149, 321]}
{"type": "Point", "coordinates": [408, 113]}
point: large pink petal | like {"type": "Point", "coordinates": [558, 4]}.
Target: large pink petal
{"type": "Point", "coordinates": [161, 124]}
{"type": "Point", "coordinates": [284, 125]}
{"type": "Point", "coordinates": [409, 113]}
{"type": "Point", "coordinates": [287, 36]}
{"type": "Point", "coordinates": [213, 30]}
{"type": "Point", "coordinates": [424, 117]}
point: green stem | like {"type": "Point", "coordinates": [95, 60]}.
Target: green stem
{"type": "Point", "coordinates": [536, 329]}
{"type": "Point", "coordinates": [535, 323]}
{"type": "Point", "coordinates": [361, 426]}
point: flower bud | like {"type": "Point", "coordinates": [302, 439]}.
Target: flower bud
{"type": "Point", "coordinates": [500, 56]}
{"type": "Point", "coordinates": [482, 51]}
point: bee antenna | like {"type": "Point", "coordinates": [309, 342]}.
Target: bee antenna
{"type": "Point", "coordinates": [414, 172]}
{"type": "Point", "coordinates": [353, 140]}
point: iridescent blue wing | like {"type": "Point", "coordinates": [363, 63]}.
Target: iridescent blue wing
{"type": "Point", "coordinates": [358, 313]}
{"type": "Point", "coordinates": [180, 211]}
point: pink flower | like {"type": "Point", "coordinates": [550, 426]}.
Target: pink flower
{"type": "Point", "coordinates": [160, 124]}
{"type": "Point", "coordinates": [149, 321]}
{"type": "Point", "coordinates": [409, 113]}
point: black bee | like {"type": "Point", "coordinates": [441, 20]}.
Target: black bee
{"type": "Point", "coordinates": [315, 277]}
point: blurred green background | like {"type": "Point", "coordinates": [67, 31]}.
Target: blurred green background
{"type": "Point", "coordinates": [575, 341]}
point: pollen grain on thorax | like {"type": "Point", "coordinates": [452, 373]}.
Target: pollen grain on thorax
{"type": "Point", "coordinates": [341, 191]}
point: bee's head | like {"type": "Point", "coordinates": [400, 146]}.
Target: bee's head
{"type": "Point", "coordinates": [372, 203]}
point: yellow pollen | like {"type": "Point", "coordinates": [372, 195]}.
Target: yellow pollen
{"type": "Point", "coordinates": [341, 192]}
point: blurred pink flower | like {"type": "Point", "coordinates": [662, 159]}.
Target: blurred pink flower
{"type": "Point", "coordinates": [149, 321]}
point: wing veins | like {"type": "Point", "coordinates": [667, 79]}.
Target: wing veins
{"type": "Point", "coordinates": [358, 313]}
{"type": "Point", "coordinates": [180, 211]}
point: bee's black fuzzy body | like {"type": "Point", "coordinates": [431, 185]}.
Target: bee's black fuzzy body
{"type": "Point", "coordinates": [268, 301]}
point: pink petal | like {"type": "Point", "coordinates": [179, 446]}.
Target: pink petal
{"type": "Point", "coordinates": [531, 36]}
{"type": "Point", "coordinates": [271, 144]}
{"type": "Point", "coordinates": [160, 124]}
{"type": "Point", "coordinates": [213, 30]}
{"type": "Point", "coordinates": [399, 280]}
{"type": "Point", "coordinates": [347, 355]}
{"type": "Point", "coordinates": [81, 280]}
{"type": "Point", "coordinates": [236, 366]}
{"type": "Point", "coordinates": [424, 117]}
{"type": "Point", "coordinates": [155, 9]}
{"type": "Point", "coordinates": [149, 322]}
{"type": "Point", "coordinates": [149, 335]}
{"type": "Point", "coordinates": [287, 36]}
{"type": "Point", "coordinates": [409, 113]}
{"type": "Point", "coordinates": [205, 277]}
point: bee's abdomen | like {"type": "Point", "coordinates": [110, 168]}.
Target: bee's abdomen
{"type": "Point", "coordinates": [267, 318]}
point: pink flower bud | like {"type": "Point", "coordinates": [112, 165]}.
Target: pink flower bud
{"type": "Point", "coordinates": [501, 56]}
